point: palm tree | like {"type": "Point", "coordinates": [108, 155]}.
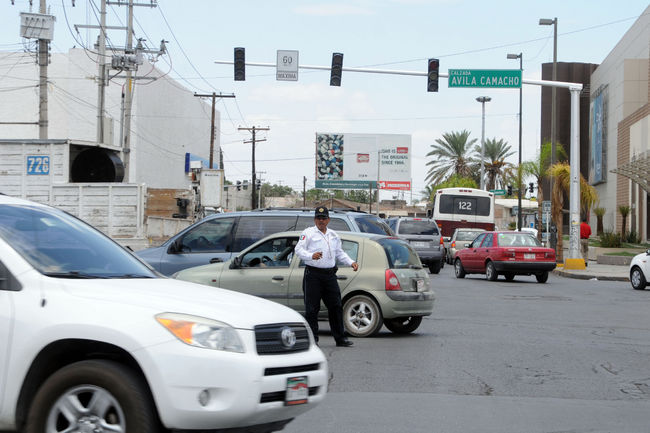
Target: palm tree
{"type": "Point", "coordinates": [428, 192]}
{"type": "Point", "coordinates": [600, 213]}
{"type": "Point", "coordinates": [494, 161]}
{"type": "Point", "coordinates": [624, 211]}
{"type": "Point", "coordinates": [451, 154]}
{"type": "Point", "coordinates": [537, 168]}
{"type": "Point", "coordinates": [561, 171]}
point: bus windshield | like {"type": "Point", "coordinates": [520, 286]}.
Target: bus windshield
{"type": "Point", "coordinates": [464, 205]}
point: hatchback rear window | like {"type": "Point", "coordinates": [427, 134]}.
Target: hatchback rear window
{"type": "Point", "coordinates": [467, 236]}
{"type": "Point", "coordinates": [400, 254]}
{"type": "Point", "coordinates": [372, 224]}
{"type": "Point", "coordinates": [418, 227]}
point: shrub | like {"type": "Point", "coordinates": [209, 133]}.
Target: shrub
{"type": "Point", "coordinates": [632, 237]}
{"type": "Point", "coordinates": [512, 226]}
{"type": "Point", "coordinates": [610, 239]}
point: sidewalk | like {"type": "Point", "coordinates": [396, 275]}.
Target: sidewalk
{"type": "Point", "coordinates": [597, 271]}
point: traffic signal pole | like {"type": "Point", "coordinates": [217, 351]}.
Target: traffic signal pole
{"type": "Point", "coordinates": [575, 260]}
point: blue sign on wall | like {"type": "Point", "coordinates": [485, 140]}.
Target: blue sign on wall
{"type": "Point", "coordinates": [38, 164]}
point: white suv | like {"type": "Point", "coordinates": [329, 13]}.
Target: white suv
{"type": "Point", "coordinates": [91, 339]}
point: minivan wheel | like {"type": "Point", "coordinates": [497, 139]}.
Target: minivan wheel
{"type": "Point", "coordinates": [403, 325]}
{"type": "Point", "coordinates": [362, 316]}
{"type": "Point", "coordinates": [92, 396]}
{"type": "Point", "coordinates": [637, 279]}
{"type": "Point", "coordinates": [458, 269]}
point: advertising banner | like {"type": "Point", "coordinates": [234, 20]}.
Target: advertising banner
{"type": "Point", "coordinates": [345, 161]}
{"type": "Point", "coordinates": [597, 128]}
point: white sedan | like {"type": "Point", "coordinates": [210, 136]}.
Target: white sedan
{"type": "Point", "coordinates": [640, 270]}
{"type": "Point", "coordinates": [92, 339]}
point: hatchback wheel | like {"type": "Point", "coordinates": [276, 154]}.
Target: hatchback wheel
{"type": "Point", "coordinates": [92, 396]}
{"type": "Point", "coordinates": [509, 276]}
{"type": "Point", "coordinates": [542, 277]}
{"type": "Point", "coordinates": [362, 316]}
{"type": "Point", "coordinates": [403, 325]}
{"type": "Point", "coordinates": [458, 269]}
{"type": "Point", "coordinates": [491, 272]}
{"type": "Point", "coordinates": [637, 278]}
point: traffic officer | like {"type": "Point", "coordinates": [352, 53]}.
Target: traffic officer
{"type": "Point", "coordinates": [320, 249]}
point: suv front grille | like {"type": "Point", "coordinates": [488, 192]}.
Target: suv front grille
{"type": "Point", "coordinates": [269, 339]}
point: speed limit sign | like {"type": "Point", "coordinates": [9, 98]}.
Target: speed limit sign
{"type": "Point", "coordinates": [287, 66]}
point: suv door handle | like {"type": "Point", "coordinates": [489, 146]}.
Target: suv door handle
{"type": "Point", "coordinates": [277, 278]}
{"type": "Point", "coordinates": [341, 277]}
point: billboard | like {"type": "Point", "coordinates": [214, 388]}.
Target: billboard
{"type": "Point", "coordinates": [357, 161]}
{"type": "Point", "coordinates": [598, 137]}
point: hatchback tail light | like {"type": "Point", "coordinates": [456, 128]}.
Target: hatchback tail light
{"type": "Point", "coordinates": [392, 283]}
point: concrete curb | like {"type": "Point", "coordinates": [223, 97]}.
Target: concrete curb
{"type": "Point", "coordinates": [567, 274]}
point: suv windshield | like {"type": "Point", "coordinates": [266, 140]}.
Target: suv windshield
{"type": "Point", "coordinates": [418, 227]}
{"type": "Point", "coordinates": [400, 254]}
{"type": "Point", "coordinates": [372, 224]}
{"type": "Point", "coordinates": [60, 245]}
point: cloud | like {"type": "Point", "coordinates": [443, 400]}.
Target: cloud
{"type": "Point", "coordinates": [332, 9]}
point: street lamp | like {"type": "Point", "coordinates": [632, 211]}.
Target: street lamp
{"type": "Point", "coordinates": [552, 22]}
{"type": "Point", "coordinates": [483, 100]}
{"type": "Point", "coordinates": [519, 56]}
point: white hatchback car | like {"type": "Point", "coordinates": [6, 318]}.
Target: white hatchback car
{"type": "Point", "coordinates": [91, 339]}
{"type": "Point", "coordinates": [640, 271]}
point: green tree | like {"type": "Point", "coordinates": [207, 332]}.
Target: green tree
{"type": "Point", "coordinates": [456, 181]}
{"type": "Point", "coordinates": [428, 192]}
{"type": "Point", "coordinates": [451, 154]}
{"type": "Point", "coordinates": [494, 161]}
{"type": "Point", "coordinates": [624, 211]}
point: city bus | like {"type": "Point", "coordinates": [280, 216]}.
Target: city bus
{"type": "Point", "coordinates": [462, 207]}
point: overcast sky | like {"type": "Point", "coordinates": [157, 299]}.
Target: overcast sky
{"type": "Point", "coordinates": [384, 34]}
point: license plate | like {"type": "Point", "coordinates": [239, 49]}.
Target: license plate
{"type": "Point", "coordinates": [420, 244]}
{"type": "Point", "coordinates": [529, 256]}
{"type": "Point", "coordinates": [297, 391]}
{"type": "Point", "coordinates": [419, 285]}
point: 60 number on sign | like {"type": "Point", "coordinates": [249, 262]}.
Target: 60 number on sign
{"type": "Point", "coordinates": [287, 65]}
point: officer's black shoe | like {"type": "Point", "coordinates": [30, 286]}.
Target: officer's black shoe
{"type": "Point", "coordinates": [344, 343]}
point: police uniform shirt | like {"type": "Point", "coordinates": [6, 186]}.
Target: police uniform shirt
{"type": "Point", "coordinates": [313, 240]}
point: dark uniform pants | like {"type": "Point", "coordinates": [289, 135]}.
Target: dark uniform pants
{"type": "Point", "coordinates": [322, 284]}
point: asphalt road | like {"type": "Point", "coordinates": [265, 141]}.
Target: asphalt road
{"type": "Point", "coordinates": [565, 356]}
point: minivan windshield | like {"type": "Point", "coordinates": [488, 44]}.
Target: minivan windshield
{"type": "Point", "coordinates": [418, 227]}
{"type": "Point", "coordinates": [60, 245]}
{"type": "Point", "coordinates": [400, 254]}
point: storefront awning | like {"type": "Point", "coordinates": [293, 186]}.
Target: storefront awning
{"type": "Point", "coordinates": [637, 170]}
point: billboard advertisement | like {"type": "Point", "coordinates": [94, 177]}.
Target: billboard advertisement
{"type": "Point", "coordinates": [597, 137]}
{"type": "Point", "coordinates": [358, 161]}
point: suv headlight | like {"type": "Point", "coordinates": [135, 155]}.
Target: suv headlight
{"type": "Point", "coordinates": [202, 332]}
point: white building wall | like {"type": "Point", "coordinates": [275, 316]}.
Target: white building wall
{"type": "Point", "coordinates": [620, 71]}
{"type": "Point", "coordinates": [168, 120]}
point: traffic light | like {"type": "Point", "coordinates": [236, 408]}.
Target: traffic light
{"type": "Point", "coordinates": [238, 185]}
{"type": "Point", "coordinates": [240, 64]}
{"type": "Point", "coordinates": [245, 184]}
{"type": "Point", "coordinates": [337, 69]}
{"type": "Point", "coordinates": [531, 187]}
{"type": "Point", "coordinates": [432, 76]}
{"type": "Point", "coordinates": [258, 184]}
{"type": "Point", "coordinates": [509, 189]}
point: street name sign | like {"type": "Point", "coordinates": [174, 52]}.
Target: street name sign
{"type": "Point", "coordinates": [546, 206]}
{"type": "Point", "coordinates": [502, 78]}
{"type": "Point", "coordinates": [345, 184]}
{"type": "Point", "coordinates": [287, 65]}
{"type": "Point", "coordinates": [498, 191]}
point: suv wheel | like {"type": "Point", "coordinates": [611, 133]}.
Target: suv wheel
{"type": "Point", "coordinates": [403, 325]}
{"type": "Point", "coordinates": [434, 268]}
{"type": "Point", "coordinates": [92, 396]}
{"type": "Point", "coordinates": [362, 316]}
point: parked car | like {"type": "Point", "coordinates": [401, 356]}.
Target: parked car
{"type": "Point", "coordinates": [92, 339]}
{"type": "Point", "coordinates": [424, 236]}
{"type": "Point", "coordinates": [458, 241]}
{"type": "Point", "coordinates": [640, 271]}
{"type": "Point", "coordinates": [216, 238]}
{"type": "Point", "coordinates": [391, 287]}
{"type": "Point", "coordinates": [505, 253]}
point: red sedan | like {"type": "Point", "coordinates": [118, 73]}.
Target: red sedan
{"type": "Point", "coordinates": [507, 254]}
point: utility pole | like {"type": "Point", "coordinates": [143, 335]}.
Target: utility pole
{"type": "Point", "coordinates": [253, 140]}
{"type": "Point", "coordinates": [304, 191]}
{"type": "Point", "coordinates": [43, 54]}
{"type": "Point", "coordinates": [128, 97]}
{"type": "Point", "coordinates": [214, 97]}
{"type": "Point", "coordinates": [101, 102]}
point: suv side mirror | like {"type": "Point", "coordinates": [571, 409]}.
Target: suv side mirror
{"type": "Point", "coordinates": [176, 246]}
